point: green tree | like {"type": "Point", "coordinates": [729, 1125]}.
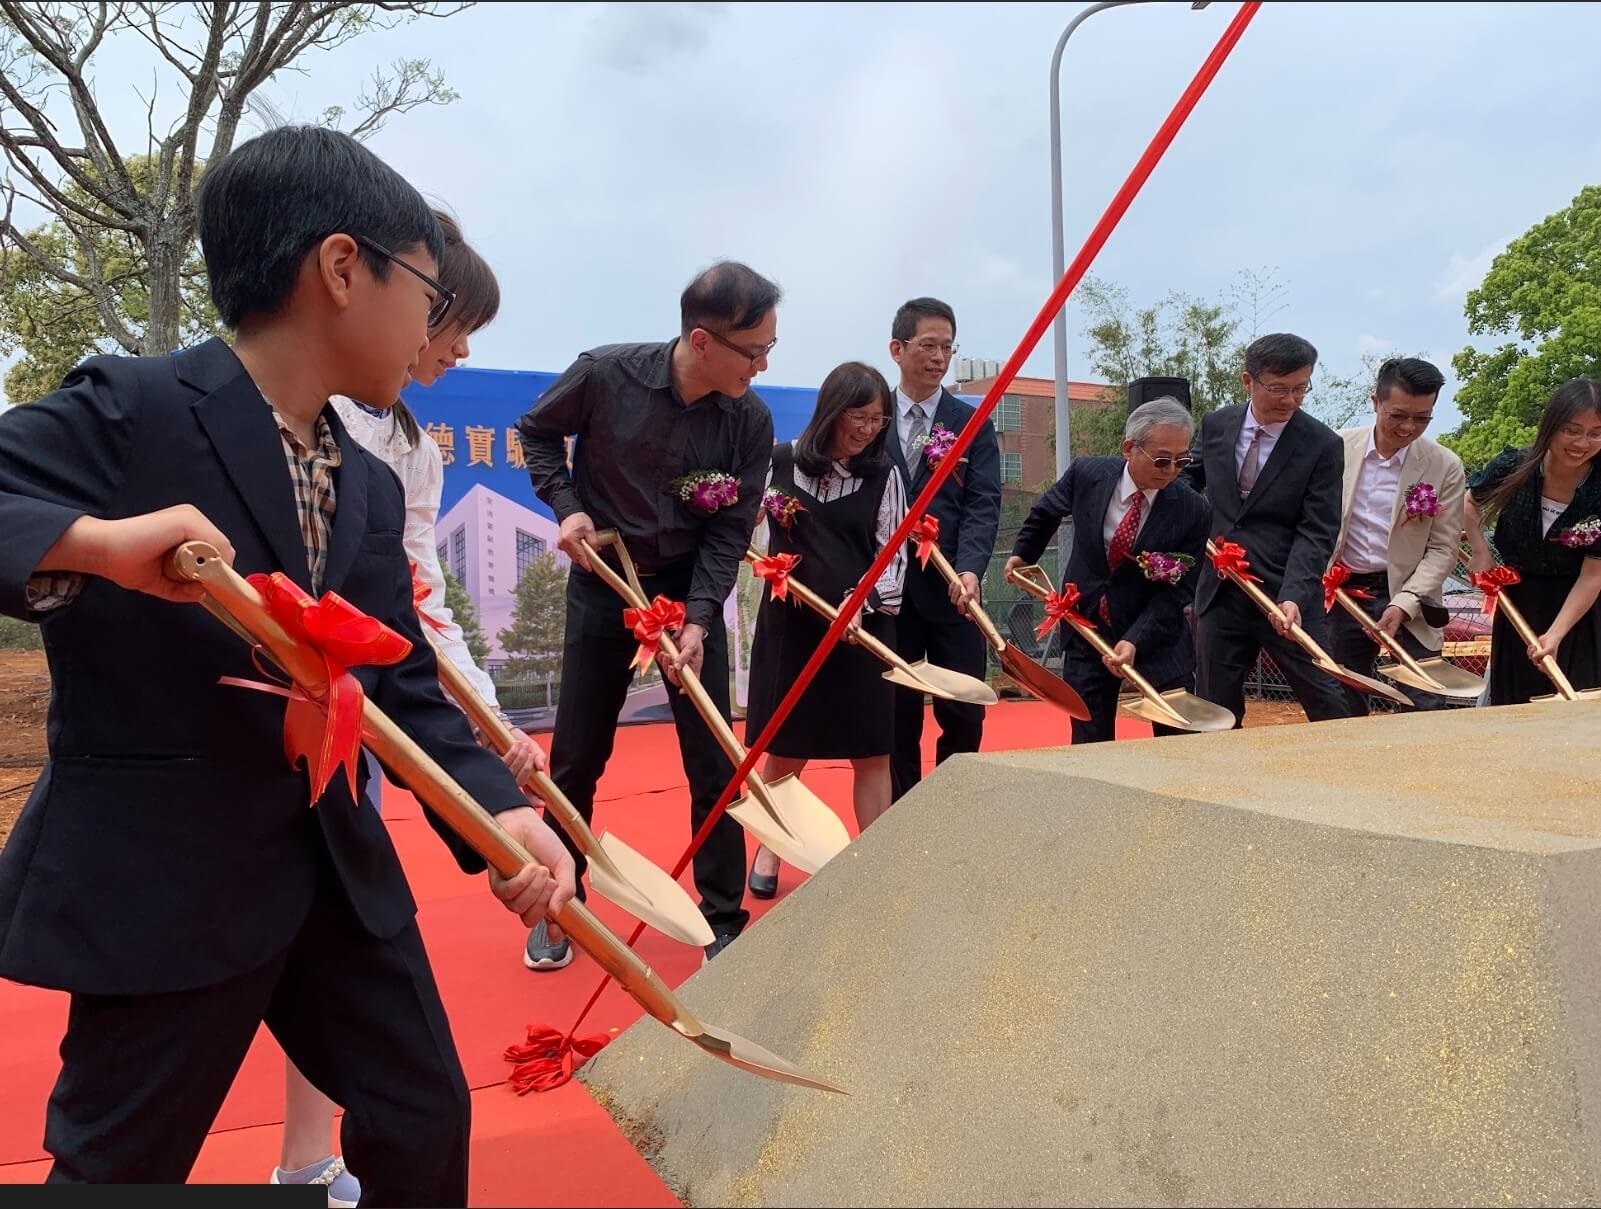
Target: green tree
{"type": "Point", "coordinates": [1544, 291]}
{"type": "Point", "coordinates": [466, 614]}
{"type": "Point", "coordinates": [533, 641]}
{"type": "Point", "coordinates": [114, 259]}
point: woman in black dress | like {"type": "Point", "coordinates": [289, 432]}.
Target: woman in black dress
{"type": "Point", "coordinates": [1546, 504]}
{"type": "Point", "coordinates": [849, 501]}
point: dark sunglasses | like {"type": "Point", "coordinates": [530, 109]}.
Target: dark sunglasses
{"type": "Point", "coordinates": [1181, 461]}
{"type": "Point", "coordinates": [443, 298]}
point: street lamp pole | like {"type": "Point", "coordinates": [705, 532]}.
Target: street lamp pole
{"type": "Point", "coordinates": [1058, 250]}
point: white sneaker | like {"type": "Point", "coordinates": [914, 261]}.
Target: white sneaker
{"type": "Point", "coordinates": [344, 1190]}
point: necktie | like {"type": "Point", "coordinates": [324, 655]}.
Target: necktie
{"type": "Point", "coordinates": [919, 433]}
{"type": "Point", "coordinates": [1251, 465]}
{"type": "Point", "coordinates": [1123, 538]}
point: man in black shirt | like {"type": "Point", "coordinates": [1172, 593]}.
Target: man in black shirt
{"type": "Point", "coordinates": [646, 416]}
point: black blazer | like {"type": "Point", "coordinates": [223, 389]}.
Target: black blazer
{"type": "Point", "coordinates": [968, 506]}
{"type": "Point", "coordinates": [1146, 613]}
{"type": "Point", "coordinates": [1290, 521]}
{"type": "Point", "coordinates": [168, 844]}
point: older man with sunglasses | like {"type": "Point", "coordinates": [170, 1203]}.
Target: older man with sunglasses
{"type": "Point", "coordinates": [1135, 561]}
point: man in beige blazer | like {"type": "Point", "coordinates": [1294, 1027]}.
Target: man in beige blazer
{"type": "Point", "coordinates": [1400, 524]}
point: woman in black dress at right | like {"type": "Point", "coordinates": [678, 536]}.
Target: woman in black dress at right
{"type": "Point", "coordinates": [850, 502]}
{"type": "Point", "coordinates": [1546, 504]}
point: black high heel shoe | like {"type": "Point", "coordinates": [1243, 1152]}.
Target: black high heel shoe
{"type": "Point", "coordinates": [762, 885]}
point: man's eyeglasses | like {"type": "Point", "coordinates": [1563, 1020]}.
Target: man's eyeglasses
{"type": "Point", "coordinates": [754, 355]}
{"type": "Point", "coordinates": [929, 347]}
{"type": "Point", "coordinates": [442, 297]}
{"type": "Point", "coordinates": [1284, 392]}
{"type": "Point", "coordinates": [1181, 461]}
{"type": "Point", "coordinates": [1400, 417]}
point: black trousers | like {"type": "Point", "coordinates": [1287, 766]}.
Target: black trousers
{"type": "Point", "coordinates": [956, 645]}
{"type": "Point", "coordinates": [1352, 648]}
{"type": "Point", "coordinates": [1229, 635]}
{"type": "Point", "coordinates": [1100, 689]}
{"type": "Point", "coordinates": [595, 676]}
{"type": "Point", "coordinates": [143, 1076]}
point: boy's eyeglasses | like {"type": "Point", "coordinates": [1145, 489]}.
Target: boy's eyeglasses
{"type": "Point", "coordinates": [442, 297]}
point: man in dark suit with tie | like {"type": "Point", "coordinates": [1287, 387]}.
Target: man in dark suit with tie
{"type": "Point", "coordinates": [933, 622]}
{"type": "Point", "coordinates": [1273, 475]}
{"type": "Point", "coordinates": [169, 870]}
{"type": "Point", "coordinates": [1136, 524]}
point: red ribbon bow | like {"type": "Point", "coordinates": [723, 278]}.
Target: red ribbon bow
{"type": "Point", "coordinates": [1334, 579]}
{"type": "Point", "coordinates": [926, 534]}
{"type": "Point", "coordinates": [1061, 606]}
{"type": "Point", "coordinates": [419, 594]}
{"type": "Point", "coordinates": [1230, 560]}
{"type": "Point", "coordinates": [650, 624]}
{"type": "Point", "coordinates": [548, 1058]}
{"type": "Point", "coordinates": [327, 733]}
{"type": "Point", "coordinates": [775, 569]}
{"type": "Point", "coordinates": [1491, 582]}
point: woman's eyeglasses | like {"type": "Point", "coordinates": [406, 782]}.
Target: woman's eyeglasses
{"type": "Point", "coordinates": [868, 423]}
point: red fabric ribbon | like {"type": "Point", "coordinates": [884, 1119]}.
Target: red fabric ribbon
{"type": "Point", "coordinates": [1059, 607]}
{"type": "Point", "coordinates": [1230, 560]}
{"type": "Point", "coordinates": [775, 569]}
{"type": "Point", "coordinates": [1491, 582]}
{"type": "Point", "coordinates": [926, 534]}
{"type": "Point", "coordinates": [419, 594]}
{"type": "Point", "coordinates": [327, 733]}
{"type": "Point", "coordinates": [1334, 579]}
{"type": "Point", "coordinates": [650, 624]}
{"type": "Point", "coordinates": [548, 1058]}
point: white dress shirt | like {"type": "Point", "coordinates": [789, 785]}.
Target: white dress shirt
{"type": "Point", "coordinates": [421, 471]}
{"type": "Point", "coordinates": [1122, 501]}
{"type": "Point", "coordinates": [1367, 533]}
{"type": "Point", "coordinates": [903, 415]}
{"type": "Point", "coordinates": [1270, 438]}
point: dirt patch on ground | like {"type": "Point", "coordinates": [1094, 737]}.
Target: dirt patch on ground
{"type": "Point", "coordinates": [24, 701]}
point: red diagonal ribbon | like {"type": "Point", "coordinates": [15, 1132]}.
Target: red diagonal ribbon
{"type": "Point", "coordinates": [1230, 559]}
{"type": "Point", "coordinates": [926, 534]}
{"type": "Point", "coordinates": [419, 594]}
{"type": "Point", "coordinates": [1059, 607]}
{"type": "Point", "coordinates": [1491, 582]}
{"type": "Point", "coordinates": [1334, 579]}
{"type": "Point", "coordinates": [650, 624]}
{"type": "Point", "coordinates": [775, 569]}
{"type": "Point", "coordinates": [326, 733]}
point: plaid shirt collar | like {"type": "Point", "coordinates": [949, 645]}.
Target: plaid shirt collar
{"type": "Point", "coordinates": [311, 472]}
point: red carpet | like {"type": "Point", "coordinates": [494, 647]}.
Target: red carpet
{"type": "Point", "coordinates": [524, 1148]}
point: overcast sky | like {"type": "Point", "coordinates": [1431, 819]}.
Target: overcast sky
{"type": "Point", "coordinates": [1374, 157]}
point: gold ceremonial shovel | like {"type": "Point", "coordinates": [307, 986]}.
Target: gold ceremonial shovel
{"type": "Point", "coordinates": [1435, 674]}
{"type": "Point", "coordinates": [240, 607]}
{"type": "Point", "coordinates": [1029, 675]}
{"type": "Point", "coordinates": [1177, 707]}
{"type": "Point", "coordinates": [1309, 644]}
{"type": "Point", "coordinates": [617, 873]}
{"type": "Point", "coordinates": [1548, 665]}
{"type": "Point", "coordinates": [790, 819]}
{"type": "Point", "coordinates": [921, 677]}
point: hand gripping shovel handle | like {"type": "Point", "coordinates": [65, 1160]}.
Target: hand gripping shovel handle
{"type": "Point", "coordinates": [1375, 631]}
{"type": "Point", "coordinates": [974, 609]}
{"type": "Point", "coordinates": [230, 594]}
{"type": "Point", "coordinates": [1033, 581]}
{"type": "Point", "coordinates": [1548, 665]}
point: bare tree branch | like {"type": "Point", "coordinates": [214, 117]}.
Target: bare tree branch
{"type": "Point", "coordinates": [59, 201]}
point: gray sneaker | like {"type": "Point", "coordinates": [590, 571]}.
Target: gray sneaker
{"type": "Point", "coordinates": [542, 954]}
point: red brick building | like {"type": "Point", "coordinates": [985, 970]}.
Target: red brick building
{"type": "Point", "coordinates": [1024, 420]}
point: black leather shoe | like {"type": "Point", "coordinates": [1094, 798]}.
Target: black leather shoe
{"type": "Point", "coordinates": [721, 942]}
{"type": "Point", "coordinates": [762, 885]}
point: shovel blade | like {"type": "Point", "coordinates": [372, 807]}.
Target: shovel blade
{"type": "Point", "coordinates": [648, 893]}
{"type": "Point", "coordinates": [1037, 682]}
{"type": "Point", "coordinates": [1365, 684]}
{"type": "Point", "coordinates": [1189, 712]}
{"type": "Point", "coordinates": [955, 686]}
{"type": "Point", "coordinates": [1440, 676]}
{"type": "Point", "coordinates": [907, 680]}
{"type": "Point", "coordinates": [794, 823]}
{"type": "Point", "coordinates": [748, 1056]}
{"type": "Point", "coordinates": [1582, 694]}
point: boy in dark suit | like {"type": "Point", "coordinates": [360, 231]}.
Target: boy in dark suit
{"type": "Point", "coordinates": [1273, 475]}
{"type": "Point", "coordinates": [1127, 507]}
{"type": "Point", "coordinates": [933, 623]}
{"type": "Point", "coordinates": [168, 871]}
